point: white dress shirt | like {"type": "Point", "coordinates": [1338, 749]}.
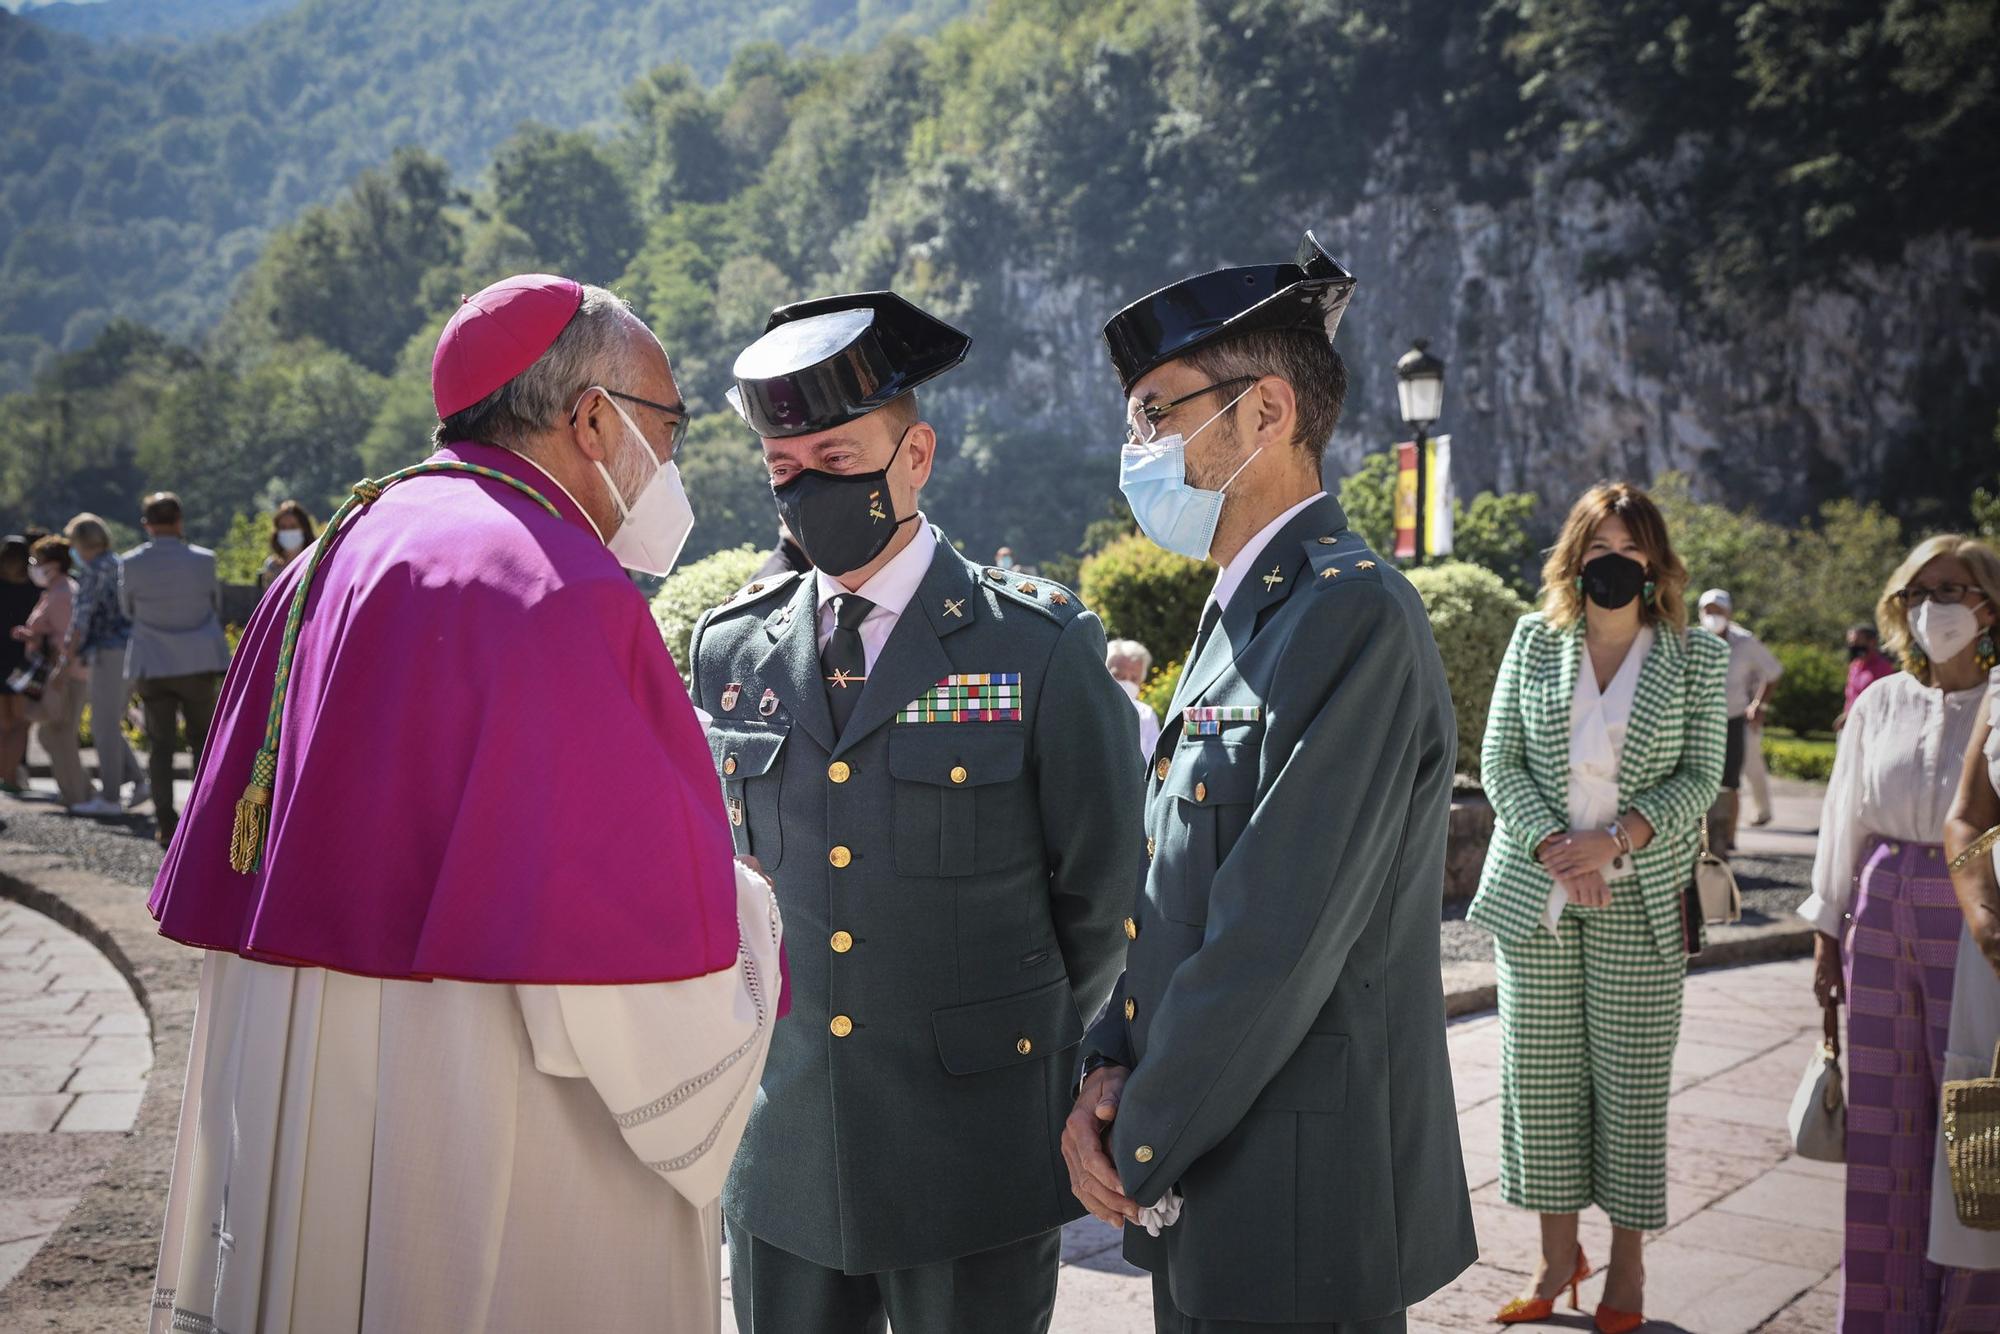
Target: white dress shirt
{"type": "Point", "coordinates": [1598, 719]}
{"type": "Point", "coordinates": [1751, 668]}
{"type": "Point", "coordinates": [1149, 722]}
{"type": "Point", "coordinates": [1894, 777]}
{"type": "Point", "coordinates": [890, 588]}
{"type": "Point", "coordinates": [1233, 574]}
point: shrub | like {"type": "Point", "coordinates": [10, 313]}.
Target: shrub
{"type": "Point", "coordinates": [1472, 613]}
{"type": "Point", "coordinates": [1145, 593]}
{"type": "Point", "coordinates": [692, 589]}
{"type": "Point", "coordinates": [1158, 692]}
{"type": "Point", "coordinates": [1791, 757]}
{"type": "Point", "coordinates": [1809, 696]}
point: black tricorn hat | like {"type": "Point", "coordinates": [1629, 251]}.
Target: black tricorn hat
{"type": "Point", "coordinates": [1310, 293]}
{"type": "Point", "coordinates": [828, 361]}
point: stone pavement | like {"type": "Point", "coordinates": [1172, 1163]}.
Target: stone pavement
{"type": "Point", "coordinates": [1753, 1234]}
{"type": "Point", "coordinates": [75, 1049]}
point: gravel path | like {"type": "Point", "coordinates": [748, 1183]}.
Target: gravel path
{"type": "Point", "coordinates": [119, 849]}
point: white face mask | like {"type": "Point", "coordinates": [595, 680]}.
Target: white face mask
{"type": "Point", "coordinates": [1714, 623]}
{"type": "Point", "coordinates": [291, 539]}
{"type": "Point", "coordinates": [1943, 632]}
{"type": "Point", "coordinates": [655, 526]}
{"type": "Point", "coordinates": [41, 575]}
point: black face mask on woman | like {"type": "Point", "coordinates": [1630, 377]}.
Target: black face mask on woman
{"type": "Point", "coordinates": [842, 520]}
{"type": "Point", "coordinates": [1612, 580]}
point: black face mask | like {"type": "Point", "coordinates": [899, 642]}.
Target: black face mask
{"type": "Point", "coordinates": [842, 520]}
{"type": "Point", "coordinates": [1612, 580]}
{"type": "Point", "coordinates": [1856, 652]}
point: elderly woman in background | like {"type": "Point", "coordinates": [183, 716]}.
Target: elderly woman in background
{"type": "Point", "coordinates": [291, 533]}
{"type": "Point", "coordinates": [18, 596]}
{"type": "Point", "coordinates": [1130, 663]}
{"type": "Point", "coordinates": [47, 630]}
{"type": "Point", "coordinates": [1880, 882]}
{"type": "Point", "coordinates": [98, 636]}
{"type": "Point", "coordinates": [1604, 746]}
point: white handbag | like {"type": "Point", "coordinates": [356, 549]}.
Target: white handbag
{"type": "Point", "coordinates": [1818, 1118]}
{"type": "Point", "coordinates": [1715, 884]}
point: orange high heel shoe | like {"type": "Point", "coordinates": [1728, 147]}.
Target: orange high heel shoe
{"type": "Point", "coordinates": [1529, 1310]}
{"type": "Point", "coordinates": [1611, 1320]}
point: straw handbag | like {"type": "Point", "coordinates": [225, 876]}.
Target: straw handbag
{"type": "Point", "coordinates": [1972, 1147]}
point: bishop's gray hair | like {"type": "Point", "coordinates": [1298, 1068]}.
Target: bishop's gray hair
{"type": "Point", "coordinates": [591, 349]}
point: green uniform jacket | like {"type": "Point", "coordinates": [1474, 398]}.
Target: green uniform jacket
{"type": "Point", "coordinates": [1282, 1008]}
{"type": "Point", "coordinates": [951, 894]}
{"type": "Point", "coordinates": [1669, 772]}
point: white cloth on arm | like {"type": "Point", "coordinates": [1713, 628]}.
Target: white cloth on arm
{"type": "Point", "coordinates": [1894, 777]}
{"type": "Point", "coordinates": [361, 1155]}
{"type": "Point", "coordinates": [1598, 719]}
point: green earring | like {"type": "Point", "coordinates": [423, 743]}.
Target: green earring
{"type": "Point", "coordinates": [1987, 658]}
{"type": "Point", "coordinates": [1650, 586]}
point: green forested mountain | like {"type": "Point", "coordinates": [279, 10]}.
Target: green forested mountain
{"type": "Point", "coordinates": [128, 20]}
{"type": "Point", "coordinates": [1712, 180]}
{"type": "Point", "coordinates": [139, 180]}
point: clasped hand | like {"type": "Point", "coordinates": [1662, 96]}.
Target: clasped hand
{"type": "Point", "coordinates": [1092, 1175]}
{"type": "Point", "coordinates": [1577, 860]}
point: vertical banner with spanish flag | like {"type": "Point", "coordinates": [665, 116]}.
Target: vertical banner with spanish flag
{"type": "Point", "coordinates": [1432, 492]}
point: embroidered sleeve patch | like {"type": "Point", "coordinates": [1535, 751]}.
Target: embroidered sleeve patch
{"type": "Point", "coordinates": [1208, 722]}
{"type": "Point", "coordinates": [976, 697]}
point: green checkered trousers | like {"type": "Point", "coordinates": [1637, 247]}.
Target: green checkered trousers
{"type": "Point", "coordinates": [1589, 1018]}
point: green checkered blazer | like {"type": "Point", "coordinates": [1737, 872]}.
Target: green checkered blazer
{"type": "Point", "coordinates": [1670, 771]}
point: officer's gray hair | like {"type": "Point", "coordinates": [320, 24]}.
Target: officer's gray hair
{"type": "Point", "coordinates": [591, 349]}
{"type": "Point", "coordinates": [1132, 651]}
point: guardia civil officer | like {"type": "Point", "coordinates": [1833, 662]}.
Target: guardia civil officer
{"type": "Point", "coordinates": [1267, 1099]}
{"type": "Point", "coordinates": [931, 762]}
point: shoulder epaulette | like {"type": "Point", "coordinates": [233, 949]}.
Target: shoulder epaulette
{"type": "Point", "coordinates": [1051, 599]}
{"type": "Point", "coordinates": [1342, 555]}
{"type": "Point", "coordinates": [755, 592]}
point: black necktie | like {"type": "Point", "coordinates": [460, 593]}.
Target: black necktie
{"type": "Point", "coordinates": [1209, 616]}
{"type": "Point", "coordinates": [843, 662]}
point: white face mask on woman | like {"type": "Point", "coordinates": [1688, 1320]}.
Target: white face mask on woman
{"type": "Point", "coordinates": [42, 576]}
{"type": "Point", "coordinates": [1942, 631]}
{"type": "Point", "coordinates": [291, 539]}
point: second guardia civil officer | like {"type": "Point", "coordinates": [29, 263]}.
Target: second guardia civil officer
{"type": "Point", "coordinates": [1268, 1092]}
{"type": "Point", "coordinates": [931, 762]}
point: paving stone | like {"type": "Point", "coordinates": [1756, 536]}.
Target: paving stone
{"type": "Point", "coordinates": [1713, 1292]}
{"type": "Point", "coordinates": [117, 1051]}
{"type": "Point", "coordinates": [108, 1079]}
{"type": "Point", "coordinates": [126, 1023]}
{"type": "Point", "coordinates": [1703, 1101]}
{"type": "Point", "coordinates": [14, 1026]}
{"type": "Point", "coordinates": [14, 1257]}
{"type": "Point", "coordinates": [21, 981]}
{"type": "Point", "coordinates": [35, 1078]}
{"type": "Point", "coordinates": [1791, 1243]}
{"type": "Point", "coordinates": [43, 1002]}
{"type": "Point", "coordinates": [1690, 1134]}
{"type": "Point", "coordinates": [101, 1111]}
{"type": "Point", "coordinates": [1787, 1197]}
{"type": "Point", "coordinates": [1469, 1302]}
{"type": "Point", "coordinates": [44, 1051]}
{"type": "Point", "coordinates": [1815, 1312]}
{"type": "Point", "coordinates": [21, 1218]}
{"type": "Point", "coordinates": [1086, 1237]}
{"type": "Point", "coordinates": [36, 1112]}
{"type": "Point", "coordinates": [1474, 1084]}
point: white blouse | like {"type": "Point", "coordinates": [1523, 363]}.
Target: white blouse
{"type": "Point", "coordinates": [1598, 719]}
{"type": "Point", "coordinates": [1894, 777]}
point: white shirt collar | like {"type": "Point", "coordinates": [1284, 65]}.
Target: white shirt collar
{"type": "Point", "coordinates": [1233, 574]}
{"type": "Point", "coordinates": [893, 586]}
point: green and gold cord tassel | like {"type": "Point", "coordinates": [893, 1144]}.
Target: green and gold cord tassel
{"type": "Point", "coordinates": [253, 811]}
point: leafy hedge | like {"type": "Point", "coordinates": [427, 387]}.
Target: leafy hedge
{"type": "Point", "coordinates": [1146, 593]}
{"type": "Point", "coordinates": [1472, 613]}
{"type": "Point", "coordinates": [693, 589]}
{"type": "Point", "coordinates": [1808, 697]}
{"type": "Point", "coordinates": [1796, 757]}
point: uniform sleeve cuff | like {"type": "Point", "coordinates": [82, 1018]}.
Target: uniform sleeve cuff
{"type": "Point", "coordinates": [1826, 918]}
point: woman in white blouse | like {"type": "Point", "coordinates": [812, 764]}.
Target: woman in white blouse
{"type": "Point", "coordinates": [1890, 929]}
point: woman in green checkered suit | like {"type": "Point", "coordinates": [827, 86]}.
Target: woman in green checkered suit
{"type": "Point", "coordinates": [1603, 748]}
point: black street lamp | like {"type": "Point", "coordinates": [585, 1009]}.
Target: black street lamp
{"type": "Point", "coordinates": [1420, 391]}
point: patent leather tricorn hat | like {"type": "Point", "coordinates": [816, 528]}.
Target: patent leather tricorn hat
{"type": "Point", "coordinates": [824, 362]}
{"type": "Point", "coordinates": [1311, 293]}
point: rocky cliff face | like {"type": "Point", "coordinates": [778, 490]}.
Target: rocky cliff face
{"type": "Point", "coordinates": [1558, 375]}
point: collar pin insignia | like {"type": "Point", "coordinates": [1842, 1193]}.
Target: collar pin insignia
{"type": "Point", "coordinates": [1274, 578]}
{"type": "Point", "coordinates": [954, 607]}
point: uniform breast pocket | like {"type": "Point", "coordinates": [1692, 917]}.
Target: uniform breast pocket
{"type": "Point", "coordinates": [1205, 806]}
{"type": "Point", "coordinates": [962, 802]}
{"type": "Point", "coordinates": [751, 763]}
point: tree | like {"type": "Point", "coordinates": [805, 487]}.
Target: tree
{"type": "Point", "coordinates": [565, 195]}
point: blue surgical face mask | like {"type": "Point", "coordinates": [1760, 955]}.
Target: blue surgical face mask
{"type": "Point", "coordinates": [1153, 476]}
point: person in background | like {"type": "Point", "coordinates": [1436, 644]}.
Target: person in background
{"type": "Point", "coordinates": [99, 636]}
{"type": "Point", "coordinates": [178, 651]}
{"type": "Point", "coordinates": [1130, 663]}
{"type": "Point", "coordinates": [1004, 559]}
{"type": "Point", "coordinates": [1889, 925]}
{"type": "Point", "coordinates": [18, 596]}
{"type": "Point", "coordinates": [1866, 664]}
{"type": "Point", "coordinates": [1604, 745]}
{"type": "Point", "coordinates": [1753, 674]}
{"type": "Point", "coordinates": [291, 533]}
{"type": "Point", "coordinates": [57, 716]}
{"type": "Point", "coordinates": [788, 557]}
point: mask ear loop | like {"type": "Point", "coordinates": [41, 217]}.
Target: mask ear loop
{"type": "Point", "coordinates": [1224, 488]}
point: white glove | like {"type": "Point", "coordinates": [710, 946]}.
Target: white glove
{"type": "Point", "coordinates": [1165, 1214]}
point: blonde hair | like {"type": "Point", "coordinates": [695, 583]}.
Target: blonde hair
{"type": "Point", "coordinates": [1894, 618]}
{"type": "Point", "coordinates": [1562, 602]}
{"type": "Point", "coordinates": [87, 530]}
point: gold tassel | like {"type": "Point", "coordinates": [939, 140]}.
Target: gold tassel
{"type": "Point", "coordinates": [253, 816]}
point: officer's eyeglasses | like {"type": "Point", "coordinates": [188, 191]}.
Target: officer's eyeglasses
{"type": "Point", "coordinates": [1143, 423]}
{"type": "Point", "coordinates": [1945, 595]}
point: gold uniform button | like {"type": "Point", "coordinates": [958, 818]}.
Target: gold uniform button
{"type": "Point", "coordinates": [1131, 929]}
{"type": "Point", "coordinates": [1024, 1046]}
{"type": "Point", "coordinates": [958, 774]}
{"type": "Point", "coordinates": [1201, 792]}
{"type": "Point", "coordinates": [1144, 1153]}
{"type": "Point", "coordinates": [838, 772]}
{"type": "Point", "coordinates": [842, 942]}
{"type": "Point", "coordinates": [1160, 769]}
{"type": "Point", "coordinates": [1131, 1008]}
{"type": "Point", "coordinates": [840, 856]}
{"type": "Point", "coordinates": [841, 1026]}
{"type": "Point", "coordinates": [729, 765]}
